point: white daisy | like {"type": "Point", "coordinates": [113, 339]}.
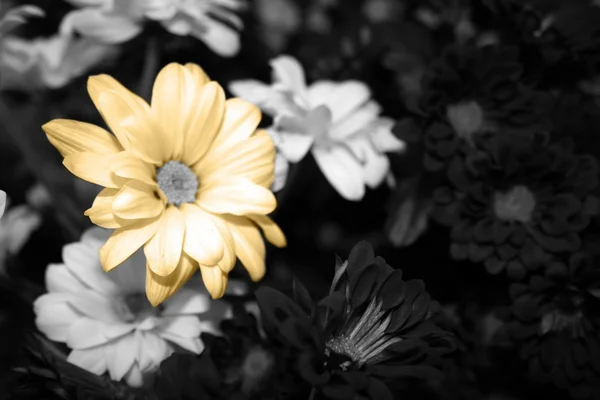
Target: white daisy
{"type": "Point", "coordinates": [337, 121]}
{"type": "Point", "coordinates": [117, 21]}
{"type": "Point", "coordinates": [106, 319]}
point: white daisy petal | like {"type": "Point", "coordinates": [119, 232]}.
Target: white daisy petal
{"type": "Point", "coordinates": [342, 170]}
{"type": "Point", "coordinates": [54, 316]}
{"type": "Point", "coordinates": [85, 333]}
{"type": "Point", "coordinates": [346, 98]}
{"type": "Point", "coordinates": [121, 355]}
{"type": "Point", "coordinates": [187, 301]}
{"type": "Point", "coordinates": [134, 376]}
{"type": "Point", "coordinates": [59, 279]}
{"type": "Point", "coordinates": [91, 359]}
{"type": "Point", "coordinates": [83, 262]}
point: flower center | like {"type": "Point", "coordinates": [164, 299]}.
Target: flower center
{"type": "Point", "coordinates": [178, 182]}
{"type": "Point", "coordinates": [465, 118]}
{"type": "Point", "coordinates": [515, 205]}
{"type": "Point", "coordinates": [136, 307]}
{"type": "Point", "coordinates": [256, 365]}
{"type": "Point", "coordinates": [364, 339]}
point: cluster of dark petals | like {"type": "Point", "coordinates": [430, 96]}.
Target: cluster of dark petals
{"type": "Point", "coordinates": [473, 92]}
{"type": "Point", "coordinates": [511, 208]}
{"type": "Point", "coordinates": [556, 33]}
{"type": "Point", "coordinates": [555, 323]}
{"type": "Point", "coordinates": [373, 328]}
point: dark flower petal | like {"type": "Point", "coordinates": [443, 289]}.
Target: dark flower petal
{"type": "Point", "coordinates": [501, 231]}
{"type": "Point", "coordinates": [478, 253]}
{"type": "Point", "coordinates": [459, 252]}
{"type": "Point", "coordinates": [515, 270]}
{"type": "Point", "coordinates": [377, 390]}
{"type": "Point", "coordinates": [399, 317]}
{"type": "Point", "coordinates": [368, 282]}
{"type": "Point", "coordinates": [357, 379]}
{"type": "Point", "coordinates": [276, 308]}
{"type": "Point", "coordinates": [302, 296]}
{"type": "Point", "coordinates": [494, 266]}
{"type": "Point", "coordinates": [420, 308]}
{"type": "Point", "coordinates": [339, 391]}
{"type": "Point", "coordinates": [391, 292]}
{"type": "Point", "coordinates": [360, 257]}
{"type": "Point", "coordinates": [483, 230]}
{"type": "Point", "coordinates": [531, 254]}
{"type": "Point", "coordinates": [507, 252]}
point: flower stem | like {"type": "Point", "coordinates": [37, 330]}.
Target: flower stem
{"type": "Point", "coordinates": [150, 69]}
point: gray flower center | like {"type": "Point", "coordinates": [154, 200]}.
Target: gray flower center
{"type": "Point", "coordinates": [465, 118]}
{"type": "Point", "coordinates": [515, 205]}
{"type": "Point", "coordinates": [136, 307]}
{"type": "Point", "coordinates": [257, 364]}
{"type": "Point", "coordinates": [178, 182]}
{"type": "Point", "coordinates": [365, 338]}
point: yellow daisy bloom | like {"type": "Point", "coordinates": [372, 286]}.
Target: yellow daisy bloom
{"type": "Point", "coordinates": [186, 177]}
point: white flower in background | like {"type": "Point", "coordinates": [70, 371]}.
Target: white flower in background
{"type": "Point", "coordinates": [17, 16]}
{"type": "Point", "coordinates": [337, 121]}
{"type": "Point", "coordinates": [49, 62]}
{"type": "Point", "coordinates": [16, 226]}
{"type": "Point", "coordinates": [106, 319]}
{"type": "Point", "coordinates": [115, 21]}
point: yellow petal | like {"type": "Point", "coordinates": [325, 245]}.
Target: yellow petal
{"type": "Point", "coordinates": [137, 200]}
{"type": "Point", "coordinates": [125, 241]}
{"type": "Point", "coordinates": [101, 212]}
{"type": "Point", "coordinates": [175, 96]}
{"type": "Point", "coordinates": [253, 159]}
{"type": "Point", "coordinates": [70, 136]}
{"type": "Point", "coordinates": [204, 122]}
{"type": "Point", "coordinates": [94, 168]}
{"type": "Point", "coordinates": [249, 245]}
{"type": "Point", "coordinates": [215, 281]}
{"type": "Point", "coordinates": [145, 137]}
{"type": "Point", "coordinates": [163, 251]}
{"type": "Point", "coordinates": [239, 122]}
{"type": "Point", "coordinates": [159, 288]}
{"type": "Point", "coordinates": [271, 230]}
{"type": "Point", "coordinates": [99, 84]}
{"type": "Point", "coordinates": [126, 165]}
{"type": "Point", "coordinates": [203, 240]}
{"type": "Point", "coordinates": [229, 257]}
{"type": "Point", "coordinates": [236, 196]}
{"type": "Point", "coordinates": [197, 73]}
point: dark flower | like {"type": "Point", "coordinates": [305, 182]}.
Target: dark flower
{"type": "Point", "coordinates": [556, 324]}
{"type": "Point", "coordinates": [473, 92]}
{"type": "Point", "coordinates": [372, 328]}
{"type": "Point", "coordinates": [511, 207]}
{"type": "Point", "coordinates": [563, 36]}
{"type": "Point", "coordinates": [240, 365]}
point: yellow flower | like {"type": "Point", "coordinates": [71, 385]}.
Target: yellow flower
{"type": "Point", "coordinates": [186, 177]}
